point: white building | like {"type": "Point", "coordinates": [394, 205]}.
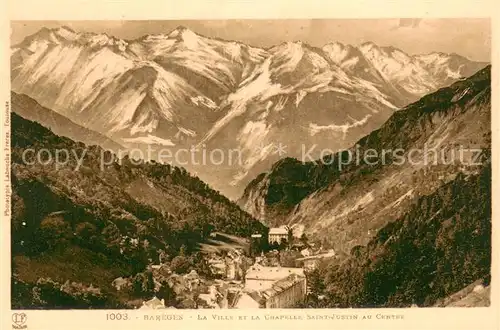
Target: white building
{"type": "Point", "coordinates": [277, 235]}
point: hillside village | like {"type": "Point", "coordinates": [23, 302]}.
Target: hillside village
{"type": "Point", "coordinates": [238, 278]}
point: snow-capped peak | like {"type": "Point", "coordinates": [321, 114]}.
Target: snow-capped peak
{"type": "Point", "coordinates": [367, 45]}
{"type": "Point", "coordinates": [437, 58]}
{"type": "Point", "coordinates": [336, 51]}
{"type": "Point", "coordinates": [188, 37]}
{"type": "Point", "coordinates": [180, 32]}
{"type": "Point", "coordinates": [336, 44]}
{"type": "Point", "coordinates": [66, 33]}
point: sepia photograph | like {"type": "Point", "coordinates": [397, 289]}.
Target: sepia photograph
{"type": "Point", "coordinates": [250, 164]}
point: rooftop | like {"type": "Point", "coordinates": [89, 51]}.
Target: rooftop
{"type": "Point", "coordinates": [272, 273]}
{"type": "Point", "coordinates": [247, 299]}
{"type": "Point", "coordinates": [281, 285]}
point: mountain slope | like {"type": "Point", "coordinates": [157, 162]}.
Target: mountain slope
{"type": "Point", "coordinates": [28, 108]}
{"type": "Point", "coordinates": [345, 198]}
{"type": "Point", "coordinates": [440, 246]}
{"type": "Point", "coordinates": [182, 89]}
{"type": "Point", "coordinates": [92, 219]}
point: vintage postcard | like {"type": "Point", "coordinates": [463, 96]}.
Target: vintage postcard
{"type": "Point", "coordinates": [327, 165]}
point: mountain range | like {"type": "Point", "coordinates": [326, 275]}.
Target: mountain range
{"type": "Point", "coordinates": [181, 89]}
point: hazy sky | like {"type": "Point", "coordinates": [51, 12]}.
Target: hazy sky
{"type": "Point", "coordinates": [467, 37]}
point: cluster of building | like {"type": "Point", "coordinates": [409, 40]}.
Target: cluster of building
{"type": "Point", "coordinates": [263, 287]}
{"type": "Point", "coordinates": [310, 257]}
{"type": "Point", "coordinates": [228, 266]}
{"type": "Point", "coordinates": [265, 284]}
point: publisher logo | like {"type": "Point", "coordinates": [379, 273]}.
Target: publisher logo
{"type": "Point", "coordinates": [19, 320]}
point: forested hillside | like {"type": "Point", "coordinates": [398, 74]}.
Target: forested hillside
{"type": "Point", "coordinates": [440, 246]}
{"type": "Point", "coordinates": [94, 224]}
